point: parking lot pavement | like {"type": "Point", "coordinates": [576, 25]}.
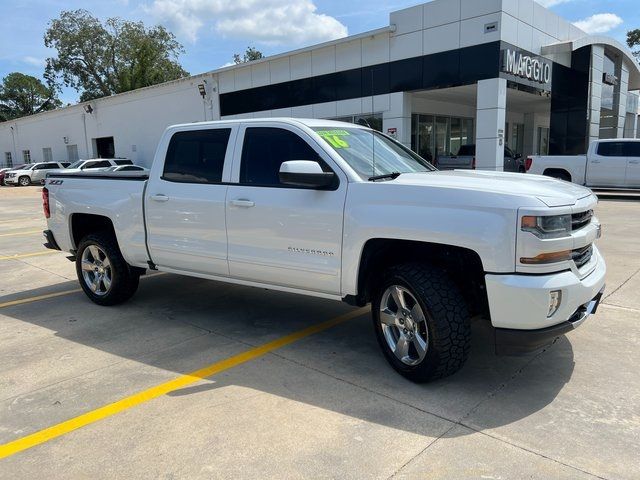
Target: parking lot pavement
{"type": "Point", "coordinates": [96, 392]}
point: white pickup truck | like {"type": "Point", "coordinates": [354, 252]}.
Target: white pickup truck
{"type": "Point", "coordinates": [608, 163]}
{"type": "Point", "coordinates": [340, 211]}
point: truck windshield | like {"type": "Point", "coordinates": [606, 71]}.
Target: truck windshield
{"type": "Point", "coordinates": [371, 153]}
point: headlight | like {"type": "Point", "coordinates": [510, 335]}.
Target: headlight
{"type": "Point", "coordinates": [555, 226]}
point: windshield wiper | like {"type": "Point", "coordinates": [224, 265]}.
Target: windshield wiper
{"type": "Point", "coordinates": [386, 176]}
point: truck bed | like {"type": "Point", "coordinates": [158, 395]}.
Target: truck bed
{"type": "Point", "coordinates": [115, 195]}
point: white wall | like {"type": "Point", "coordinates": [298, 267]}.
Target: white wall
{"type": "Point", "coordinates": [137, 118]}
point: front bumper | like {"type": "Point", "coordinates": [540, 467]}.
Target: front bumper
{"type": "Point", "coordinates": [11, 180]}
{"type": "Point", "coordinates": [510, 341]}
{"type": "Point", "coordinates": [519, 303]}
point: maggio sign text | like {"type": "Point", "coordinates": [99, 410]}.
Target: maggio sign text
{"type": "Point", "coordinates": [526, 66]}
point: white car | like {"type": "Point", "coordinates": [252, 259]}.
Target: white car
{"type": "Point", "coordinates": [32, 173]}
{"type": "Point", "coordinates": [94, 164]}
{"type": "Point", "coordinates": [339, 211]}
{"type": "Point", "coordinates": [611, 163]}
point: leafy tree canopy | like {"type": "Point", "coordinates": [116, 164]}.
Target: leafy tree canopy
{"type": "Point", "coordinates": [22, 95]}
{"type": "Point", "coordinates": [104, 59]}
{"type": "Point", "coordinates": [633, 40]}
{"type": "Point", "coordinates": [249, 55]}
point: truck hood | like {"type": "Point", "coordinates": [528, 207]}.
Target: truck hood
{"type": "Point", "coordinates": [552, 192]}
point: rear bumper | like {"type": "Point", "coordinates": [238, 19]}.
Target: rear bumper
{"type": "Point", "coordinates": [513, 342]}
{"type": "Point", "coordinates": [51, 241]}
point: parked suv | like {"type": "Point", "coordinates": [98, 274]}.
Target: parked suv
{"type": "Point", "coordinates": [32, 173]}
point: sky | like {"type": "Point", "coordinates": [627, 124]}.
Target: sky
{"type": "Point", "coordinates": [211, 31]}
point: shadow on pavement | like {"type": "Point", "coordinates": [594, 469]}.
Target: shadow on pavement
{"type": "Point", "coordinates": [178, 323]}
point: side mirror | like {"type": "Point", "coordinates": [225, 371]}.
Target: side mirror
{"type": "Point", "coordinates": [305, 173]}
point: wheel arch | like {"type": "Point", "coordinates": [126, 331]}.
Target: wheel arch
{"type": "Point", "coordinates": [463, 265]}
{"type": "Point", "coordinates": [557, 172]}
{"type": "Point", "coordinates": [83, 224]}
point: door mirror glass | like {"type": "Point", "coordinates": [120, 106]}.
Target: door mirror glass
{"type": "Point", "coordinates": [305, 173]}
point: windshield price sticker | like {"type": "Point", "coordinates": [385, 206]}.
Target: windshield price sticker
{"type": "Point", "coordinates": [333, 137]}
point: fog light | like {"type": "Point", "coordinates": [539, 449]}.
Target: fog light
{"type": "Point", "coordinates": [555, 298]}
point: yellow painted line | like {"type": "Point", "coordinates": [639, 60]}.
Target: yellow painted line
{"type": "Point", "coordinates": [25, 255]}
{"type": "Point", "coordinates": [126, 403]}
{"type": "Point", "coordinates": [22, 301]}
{"type": "Point", "coordinates": [39, 297]}
{"type": "Point", "coordinates": [17, 234]}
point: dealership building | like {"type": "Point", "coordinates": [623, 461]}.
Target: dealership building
{"type": "Point", "coordinates": [446, 73]}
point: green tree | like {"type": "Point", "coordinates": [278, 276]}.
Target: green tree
{"type": "Point", "coordinates": [104, 59]}
{"type": "Point", "coordinates": [22, 95]}
{"type": "Point", "coordinates": [633, 40]}
{"type": "Point", "coordinates": [250, 55]}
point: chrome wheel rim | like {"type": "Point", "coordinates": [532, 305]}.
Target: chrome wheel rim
{"type": "Point", "coordinates": [96, 270]}
{"type": "Point", "coordinates": [404, 325]}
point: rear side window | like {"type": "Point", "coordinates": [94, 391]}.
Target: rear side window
{"type": "Point", "coordinates": [196, 156]}
{"type": "Point", "coordinates": [611, 149]}
{"type": "Point", "coordinates": [266, 148]}
{"type": "Point", "coordinates": [123, 162]}
{"type": "Point", "coordinates": [632, 149]}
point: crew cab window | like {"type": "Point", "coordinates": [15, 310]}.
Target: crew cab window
{"type": "Point", "coordinates": [266, 148]}
{"type": "Point", "coordinates": [123, 162]}
{"type": "Point", "coordinates": [632, 149]}
{"type": "Point", "coordinates": [611, 149]}
{"type": "Point", "coordinates": [196, 156]}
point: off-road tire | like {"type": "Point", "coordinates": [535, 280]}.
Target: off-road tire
{"type": "Point", "coordinates": [124, 278]}
{"type": "Point", "coordinates": [447, 320]}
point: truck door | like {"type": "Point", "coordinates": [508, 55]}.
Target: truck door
{"type": "Point", "coordinates": [279, 234]}
{"type": "Point", "coordinates": [607, 165]}
{"type": "Point", "coordinates": [633, 163]}
{"type": "Point", "coordinates": [185, 202]}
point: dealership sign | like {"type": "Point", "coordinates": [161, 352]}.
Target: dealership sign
{"type": "Point", "coordinates": [526, 66]}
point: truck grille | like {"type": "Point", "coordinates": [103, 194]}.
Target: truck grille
{"type": "Point", "coordinates": [580, 220]}
{"type": "Point", "coordinates": [581, 256]}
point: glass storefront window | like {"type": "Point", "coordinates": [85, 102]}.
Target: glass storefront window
{"type": "Point", "coordinates": [434, 135]}
{"type": "Point", "coordinates": [543, 141]}
{"type": "Point", "coordinates": [609, 101]}
{"type": "Point", "coordinates": [374, 120]}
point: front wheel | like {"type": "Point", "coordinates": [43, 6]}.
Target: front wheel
{"type": "Point", "coordinates": [104, 275]}
{"type": "Point", "coordinates": [24, 181]}
{"type": "Point", "coordinates": [421, 322]}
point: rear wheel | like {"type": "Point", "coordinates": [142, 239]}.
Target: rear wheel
{"type": "Point", "coordinates": [104, 275]}
{"type": "Point", "coordinates": [24, 181]}
{"type": "Point", "coordinates": [421, 322]}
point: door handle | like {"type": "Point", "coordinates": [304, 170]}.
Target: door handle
{"type": "Point", "coordinates": [595, 161]}
{"type": "Point", "coordinates": [241, 202]}
{"type": "Point", "coordinates": [634, 162]}
{"type": "Point", "coordinates": [159, 198]}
